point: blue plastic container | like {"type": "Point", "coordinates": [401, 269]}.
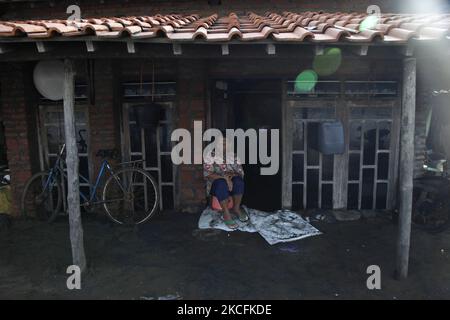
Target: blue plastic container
{"type": "Point", "coordinates": [331, 138]}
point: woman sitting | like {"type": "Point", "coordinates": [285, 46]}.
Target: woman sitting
{"type": "Point", "coordinates": [224, 179]}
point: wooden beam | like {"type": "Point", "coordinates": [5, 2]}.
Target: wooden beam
{"type": "Point", "coordinates": [73, 184]}
{"type": "Point", "coordinates": [271, 49]}
{"type": "Point", "coordinates": [361, 50]}
{"type": "Point", "coordinates": [408, 50]}
{"type": "Point", "coordinates": [131, 48]}
{"type": "Point", "coordinates": [117, 49]}
{"type": "Point", "coordinates": [319, 49]}
{"type": "Point", "coordinates": [176, 48]}
{"type": "Point", "coordinates": [91, 46]}
{"type": "Point", "coordinates": [225, 50]}
{"type": "Point", "coordinates": [406, 167]}
{"type": "Point", "coordinates": [41, 47]}
{"type": "Point", "coordinates": [4, 48]}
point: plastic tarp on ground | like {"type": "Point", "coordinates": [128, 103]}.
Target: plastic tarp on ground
{"type": "Point", "coordinates": [274, 227]}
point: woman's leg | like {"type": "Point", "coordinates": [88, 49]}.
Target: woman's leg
{"type": "Point", "coordinates": [219, 189]}
{"type": "Point", "coordinates": [238, 192]}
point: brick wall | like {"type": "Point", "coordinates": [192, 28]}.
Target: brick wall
{"type": "Point", "coordinates": [104, 131]}
{"type": "Point", "coordinates": [19, 115]}
{"type": "Point", "coordinates": [19, 122]}
{"type": "Point", "coordinates": [192, 95]}
{"type": "Point", "coordinates": [57, 9]}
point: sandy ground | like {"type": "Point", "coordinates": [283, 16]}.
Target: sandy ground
{"type": "Point", "coordinates": [169, 256]}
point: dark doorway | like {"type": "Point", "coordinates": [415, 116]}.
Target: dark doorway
{"type": "Point", "coordinates": [253, 104]}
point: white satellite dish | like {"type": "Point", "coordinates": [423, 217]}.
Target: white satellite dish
{"type": "Point", "coordinates": [48, 79]}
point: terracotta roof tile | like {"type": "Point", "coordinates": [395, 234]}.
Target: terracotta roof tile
{"type": "Point", "coordinates": [366, 36]}
{"type": "Point", "coordinates": [6, 30]}
{"type": "Point", "coordinates": [285, 26]}
{"type": "Point", "coordinates": [399, 35]}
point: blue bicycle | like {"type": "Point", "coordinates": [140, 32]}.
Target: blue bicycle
{"type": "Point", "coordinates": [129, 195]}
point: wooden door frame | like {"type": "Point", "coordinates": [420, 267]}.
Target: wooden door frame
{"type": "Point", "coordinates": [394, 103]}
{"type": "Point", "coordinates": [340, 172]}
{"type": "Point", "coordinates": [126, 152]}
{"type": "Point", "coordinates": [289, 108]}
{"type": "Point", "coordinates": [43, 142]}
{"type": "Point", "coordinates": [209, 112]}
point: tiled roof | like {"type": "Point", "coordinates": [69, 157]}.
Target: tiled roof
{"type": "Point", "coordinates": [285, 27]}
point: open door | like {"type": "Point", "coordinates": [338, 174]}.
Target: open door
{"type": "Point", "coordinates": [252, 104]}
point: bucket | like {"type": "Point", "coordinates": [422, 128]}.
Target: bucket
{"type": "Point", "coordinates": [331, 138]}
{"type": "Point", "coordinates": [5, 199]}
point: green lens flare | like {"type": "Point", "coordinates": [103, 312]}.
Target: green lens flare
{"type": "Point", "coordinates": [305, 81]}
{"type": "Point", "coordinates": [327, 63]}
{"type": "Point", "coordinates": [368, 23]}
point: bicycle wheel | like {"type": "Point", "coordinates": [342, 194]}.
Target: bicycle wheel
{"type": "Point", "coordinates": [432, 216]}
{"type": "Point", "coordinates": [130, 196]}
{"type": "Point", "coordinates": [41, 201]}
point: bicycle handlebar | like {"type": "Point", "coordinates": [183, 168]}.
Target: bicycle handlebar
{"type": "Point", "coordinates": [102, 153]}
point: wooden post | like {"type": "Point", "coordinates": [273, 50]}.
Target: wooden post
{"type": "Point", "coordinates": [73, 184]}
{"type": "Point", "coordinates": [286, 146]}
{"type": "Point", "coordinates": [340, 171]}
{"type": "Point", "coordinates": [406, 165]}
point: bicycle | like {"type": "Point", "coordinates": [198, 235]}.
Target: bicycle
{"type": "Point", "coordinates": [431, 202]}
{"type": "Point", "coordinates": [129, 196]}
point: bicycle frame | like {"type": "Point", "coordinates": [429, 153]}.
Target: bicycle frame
{"type": "Point", "coordinates": [91, 198]}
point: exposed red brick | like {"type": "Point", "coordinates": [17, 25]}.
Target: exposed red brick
{"type": "Point", "coordinates": [191, 106]}
{"type": "Point", "coordinates": [18, 128]}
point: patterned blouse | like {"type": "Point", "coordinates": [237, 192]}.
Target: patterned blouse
{"type": "Point", "coordinates": [215, 165]}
